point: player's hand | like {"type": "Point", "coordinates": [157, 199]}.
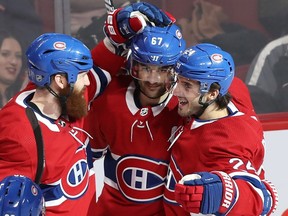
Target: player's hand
{"type": "Point", "coordinates": [124, 23]}
{"type": "Point", "coordinates": [206, 193]}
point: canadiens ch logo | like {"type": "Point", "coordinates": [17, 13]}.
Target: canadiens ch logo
{"type": "Point", "coordinates": [77, 177]}
{"type": "Point", "coordinates": [141, 179]}
{"type": "Point", "coordinates": [217, 57]}
{"type": "Point", "coordinates": [173, 174]}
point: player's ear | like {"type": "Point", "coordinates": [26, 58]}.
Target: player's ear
{"type": "Point", "coordinates": [60, 80]}
{"type": "Point", "coordinates": [213, 94]}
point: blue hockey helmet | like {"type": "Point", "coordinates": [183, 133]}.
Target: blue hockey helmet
{"type": "Point", "coordinates": [20, 196]}
{"type": "Point", "coordinates": [159, 46]}
{"type": "Point", "coordinates": [53, 53]}
{"type": "Point", "coordinates": [207, 63]}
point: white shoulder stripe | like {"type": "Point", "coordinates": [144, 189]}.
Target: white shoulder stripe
{"type": "Point", "coordinates": [20, 100]}
{"type": "Point", "coordinates": [99, 81]}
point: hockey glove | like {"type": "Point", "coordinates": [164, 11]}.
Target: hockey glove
{"type": "Point", "coordinates": [270, 198]}
{"type": "Point", "coordinates": [124, 23]}
{"type": "Point", "coordinates": [206, 193]}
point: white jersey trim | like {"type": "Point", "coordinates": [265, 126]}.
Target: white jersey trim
{"type": "Point", "coordinates": [20, 100]}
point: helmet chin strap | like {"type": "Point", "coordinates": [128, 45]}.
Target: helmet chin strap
{"type": "Point", "coordinates": [204, 106]}
{"type": "Point", "coordinates": [62, 98]}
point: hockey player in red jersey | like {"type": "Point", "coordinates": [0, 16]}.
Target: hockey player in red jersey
{"type": "Point", "coordinates": [218, 151]}
{"type": "Point", "coordinates": [132, 121]}
{"type": "Point", "coordinates": [58, 66]}
{"type": "Point", "coordinates": [59, 70]}
{"type": "Point", "coordinates": [127, 122]}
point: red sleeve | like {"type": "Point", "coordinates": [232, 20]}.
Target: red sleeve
{"type": "Point", "coordinates": [241, 96]}
{"type": "Point", "coordinates": [107, 60]}
{"type": "Point", "coordinates": [247, 194]}
{"type": "Point", "coordinates": [92, 122]}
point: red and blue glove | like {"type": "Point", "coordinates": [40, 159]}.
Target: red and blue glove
{"type": "Point", "coordinates": [206, 193]}
{"type": "Point", "coordinates": [124, 23]}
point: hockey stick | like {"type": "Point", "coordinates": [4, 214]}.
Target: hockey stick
{"type": "Point", "coordinates": [109, 5]}
{"type": "Point", "coordinates": [39, 141]}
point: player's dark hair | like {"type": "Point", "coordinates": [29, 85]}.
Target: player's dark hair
{"type": "Point", "coordinates": [222, 100]}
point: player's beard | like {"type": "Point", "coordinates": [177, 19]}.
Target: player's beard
{"type": "Point", "coordinates": [76, 105]}
{"type": "Point", "coordinates": [158, 91]}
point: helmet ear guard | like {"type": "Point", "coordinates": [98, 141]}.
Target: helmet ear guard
{"type": "Point", "coordinates": [207, 63]}
{"type": "Point", "coordinates": [53, 53]}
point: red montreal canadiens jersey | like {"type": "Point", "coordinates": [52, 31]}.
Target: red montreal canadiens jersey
{"type": "Point", "coordinates": [232, 144]}
{"type": "Point", "coordinates": [68, 182]}
{"type": "Point", "coordinates": [136, 141]}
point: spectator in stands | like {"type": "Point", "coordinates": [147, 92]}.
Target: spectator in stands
{"type": "Point", "coordinates": [87, 17]}
{"type": "Point", "coordinates": [267, 77]}
{"type": "Point", "coordinates": [11, 70]}
{"type": "Point", "coordinates": [210, 24]}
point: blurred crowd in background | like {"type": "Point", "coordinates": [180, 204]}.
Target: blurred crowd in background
{"type": "Point", "coordinates": [253, 31]}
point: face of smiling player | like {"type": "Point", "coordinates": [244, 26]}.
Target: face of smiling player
{"type": "Point", "coordinates": [153, 81]}
{"type": "Point", "coordinates": [188, 93]}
